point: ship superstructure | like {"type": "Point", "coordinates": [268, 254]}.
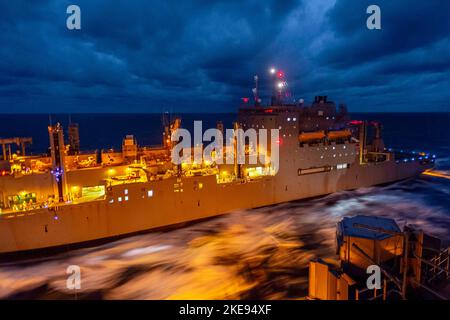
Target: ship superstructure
{"type": "Point", "coordinates": [71, 197]}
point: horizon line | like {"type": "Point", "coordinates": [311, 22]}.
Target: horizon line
{"type": "Point", "coordinates": [198, 112]}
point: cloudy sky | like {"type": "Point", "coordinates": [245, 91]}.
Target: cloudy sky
{"type": "Point", "coordinates": [201, 56]}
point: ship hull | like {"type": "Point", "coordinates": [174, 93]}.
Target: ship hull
{"type": "Point", "coordinates": [90, 222]}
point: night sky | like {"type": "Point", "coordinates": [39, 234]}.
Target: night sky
{"type": "Point", "coordinates": [201, 56]}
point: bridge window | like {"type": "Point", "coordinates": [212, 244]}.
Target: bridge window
{"type": "Point", "coordinates": [342, 166]}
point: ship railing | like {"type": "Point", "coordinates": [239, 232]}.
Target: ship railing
{"type": "Point", "coordinates": [376, 294]}
{"type": "Point", "coordinates": [12, 212]}
{"type": "Point", "coordinates": [111, 182]}
{"type": "Point", "coordinates": [15, 209]}
{"type": "Point", "coordinates": [439, 266]}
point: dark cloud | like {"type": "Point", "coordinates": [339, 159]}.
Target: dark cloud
{"type": "Point", "coordinates": [202, 55]}
{"type": "Point", "coordinates": [406, 25]}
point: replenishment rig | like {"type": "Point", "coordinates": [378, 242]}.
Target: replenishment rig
{"type": "Point", "coordinates": [412, 264]}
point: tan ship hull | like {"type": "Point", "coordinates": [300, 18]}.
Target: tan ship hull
{"type": "Point", "coordinates": [101, 219]}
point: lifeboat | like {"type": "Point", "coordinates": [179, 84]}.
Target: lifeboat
{"type": "Point", "coordinates": [311, 136]}
{"type": "Point", "coordinates": [342, 134]}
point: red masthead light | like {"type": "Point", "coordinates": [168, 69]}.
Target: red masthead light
{"type": "Point", "coordinates": [280, 74]}
{"type": "Point", "coordinates": [246, 100]}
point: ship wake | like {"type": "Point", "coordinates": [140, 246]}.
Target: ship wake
{"type": "Point", "coordinates": [253, 254]}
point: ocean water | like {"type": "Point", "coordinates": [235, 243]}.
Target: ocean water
{"type": "Point", "coordinates": [253, 254]}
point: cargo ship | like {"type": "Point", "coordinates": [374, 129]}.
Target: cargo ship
{"type": "Point", "coordinates": [70, 197]}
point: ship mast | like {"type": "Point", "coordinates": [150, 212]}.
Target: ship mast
{"type": "Point", "coordinates": [255, 92]}
{"type": "Point", "coordinates": [279, 86]}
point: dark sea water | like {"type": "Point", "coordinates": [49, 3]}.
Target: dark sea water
{"type": "Point", "coordinates": [253, 254]}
